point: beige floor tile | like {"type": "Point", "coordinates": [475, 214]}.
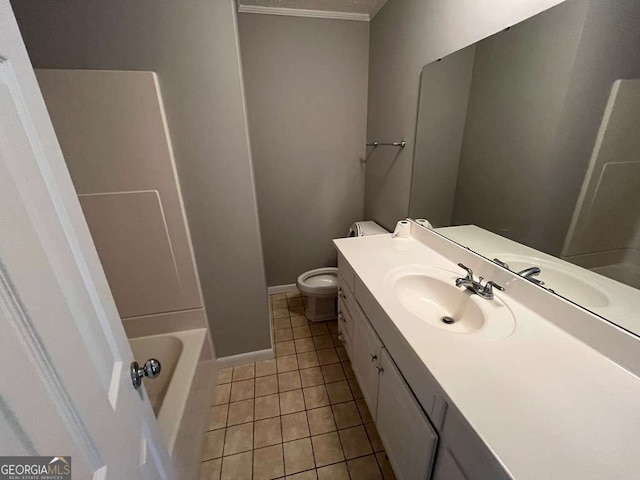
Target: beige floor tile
{"type": "Point", "coordinates": [219, 417]}
{"type": "Point", "coordinates": [289, 381]}
{"type": "Point", "coordinates": [342, 353]}
{"type": "Point", "coordinates": [348, 370]}
{"type": "Point", "coordinates": [238, 439]}
{"type": "Point", "coordinates": [311, 377]}
{"type": "Point", "coordinates": [287, 363]}
{"type": "Point", "coordinates": [294, 426]}
{"type": "Point", "coordinates": [244, 372]}
{"type": "Point", "coordinates": [301, 332]}
{"type": "Point", "coordinates": [299, 321]}
{"type": "Point", "coordinates": [334, 472]}
{"type": "Point", "coordinates": [333, 373]}
{"type": "Point", "coordinates": [298, 456]}
{"type": "Point", "coordinates": [315, 397]}
{"type": "Point", "coordinates": [291, 402]}
{"type": "Point", "coordinates": [335, 339]}
{"type": "Point", "coordinates": [280, 313]}
{"type": "Point", "coordinates": [319, 329]}
{"type": "Point", "coordinates": [225, 375]}
{"type": "Point", "coordinates": [339, 392]}
{"type": "Point", "coordinates": [364, 411]}
{"type": "Point", "coordinates": [321, 420]}
{"type": "Point", "coordinates": [279, 304]}
{"type": "Point", "coordinates": [283, 334]}
{"type": "Point", "coordinates": [346, 415]}
{"type": "Point", "coordinates": [385, 466]}
{"type": "Point", "coordinates": [295, 294]}
{"type": "Point", "coordinates": [308, 359]}
{"type": "Point", "coordinates": [242, 390]}
{"type": "Point", "coordinates": [266, 385]}
{"type": "Point", "coordinates": [365, 468]}
{"type": "Point", "coordinates": [308, 475]}
{"type": "Point", "coordinates": [267, 432]}
{"type": "Point", "coordinates": [332, 326]}
{"type": "Point", "coordinates": [355, 389]}
{"type": "Point", "coordinates": [268, 463]}
{"type": "Point", "coordinates": [267, 406]}
{"type": "Point", "coordinates": [327, 356]}
{"type": "Point", "coordinates": [305, 345]}
{"type": "Point", "coordinates": [278, 296]}
{"type": "Point", "coordinates": [213, 444]}
{"type": "Point", "coordinates": [285, 348]}
{"type": "Point", "coordinates": [211, 470]}
{"type": "Point", "coordinates": [327, 449]}
{"type": "Point", "coordinates": [355, 442]}
{"type": "Point", "coordinates": [266, 367]}
{"type": "Point", "coordinates": [221, 394]}
{"type": "Point", "coordinates": [374, 438]}
{"type": "Point", "coordinates": [237, 467]}
{"type": "Point", "coordinates": [295, 301]}
{"type": "Point", "coordinates": [322, 341]}
{"type": "Point", "coordinates": [296, 310]}
{"type": "Point", "coordinates": [240, 412]}
{"type": "Point", "coordinates": [280, 323]}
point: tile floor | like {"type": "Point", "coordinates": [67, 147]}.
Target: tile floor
{"type": "Point", "coordinates": [299, 416]}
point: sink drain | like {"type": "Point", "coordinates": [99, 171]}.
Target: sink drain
{"type": "Point", "coordinates": [447, 320]}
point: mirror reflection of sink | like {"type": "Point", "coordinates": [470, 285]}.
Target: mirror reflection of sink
{"type": "Point", "coordinates": [564, 280]}
{"type": "Point", "coordinates": [430, 294]}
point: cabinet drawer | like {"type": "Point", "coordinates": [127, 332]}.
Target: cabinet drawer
{"type": "Point", "coordinates": [345, 327]}
{"type": "Point", "coordinates": [409, 439]}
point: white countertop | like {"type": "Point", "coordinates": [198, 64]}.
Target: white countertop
{"type": "Point", "coordinates": [546, 404]}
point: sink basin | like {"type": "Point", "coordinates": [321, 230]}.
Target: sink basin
{"type": "Point", "coordinates": [429, 294]}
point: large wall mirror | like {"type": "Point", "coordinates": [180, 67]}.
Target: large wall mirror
{"type": "Point", "coordinates": [528, 152]}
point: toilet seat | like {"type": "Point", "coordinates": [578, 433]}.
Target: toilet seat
{"type": "Point", "coordinates": [321, 281]}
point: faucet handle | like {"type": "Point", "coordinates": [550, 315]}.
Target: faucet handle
{"type": "Point", "coordinates": [491, 284]}
{"type": "Point", "coordinates": [469, 271]}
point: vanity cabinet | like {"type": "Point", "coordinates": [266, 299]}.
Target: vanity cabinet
{"type": "Point", "coordinates": [409, 439]}
{"type": "Point", "coordinates": [424, 435]}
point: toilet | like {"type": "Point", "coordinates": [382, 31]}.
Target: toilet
{"type": "Point", "coordinates": [320, 286]}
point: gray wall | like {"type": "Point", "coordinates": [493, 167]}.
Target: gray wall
{"type": "Point", "coordinates": [192, 46]}
{"type": "Point", "coordinates": [306, 87]}
{"type": "Point", "coordinates": [520, 80]}
{"type": "Point", "coordinates": [444, 95]}
{"type": "Point", "coordinates": [538, 95]}
{"type": "Point", "coordinates": [609, 50]}
{"type": "Point", "coordinates": [405, 36]}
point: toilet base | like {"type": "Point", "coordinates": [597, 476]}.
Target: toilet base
{"type": "Point", "coordinates": [321, 308]}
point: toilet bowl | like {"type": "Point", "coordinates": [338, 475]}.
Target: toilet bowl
{"type": "Point", "coordinates": [320, 286]}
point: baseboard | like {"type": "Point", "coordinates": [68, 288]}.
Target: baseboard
{"type": "Point", "coordinates": [291, 288]}
{"type": "Point", "coordinates": [244, 358]}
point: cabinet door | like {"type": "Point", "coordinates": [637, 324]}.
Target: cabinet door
{"type": "Point", "coordinates": [447, 468]}
{"type": "Point", "coordinates": [366, 356]}
{"type": "Point", "coordinates": [409, 439]}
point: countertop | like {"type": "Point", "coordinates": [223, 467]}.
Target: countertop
{"type": "Point", "coordinates": [547, 405]}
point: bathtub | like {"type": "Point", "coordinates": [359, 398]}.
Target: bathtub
{"type": "Point", "coordinates": [176, 395]}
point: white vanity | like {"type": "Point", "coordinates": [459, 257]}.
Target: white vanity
{"type": "Point", "coordinates": [525, 385]}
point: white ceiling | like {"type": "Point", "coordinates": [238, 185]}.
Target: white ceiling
{"type": "Point", "coordinates": [363, 7]}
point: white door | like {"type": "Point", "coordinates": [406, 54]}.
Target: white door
{"type": "Point", "coordinates": [64, 357]}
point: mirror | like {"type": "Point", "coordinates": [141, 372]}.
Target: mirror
{"type": "Point", "coordinates": [528, 152]}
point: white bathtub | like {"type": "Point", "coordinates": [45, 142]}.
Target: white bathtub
{"type": "Point", "coordinates": [174, 394]}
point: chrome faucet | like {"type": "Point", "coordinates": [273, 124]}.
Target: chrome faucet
{"type": "Point", "coordinates": [484, 291]}
{"type": "Point", "coordinates": [531, 272]}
